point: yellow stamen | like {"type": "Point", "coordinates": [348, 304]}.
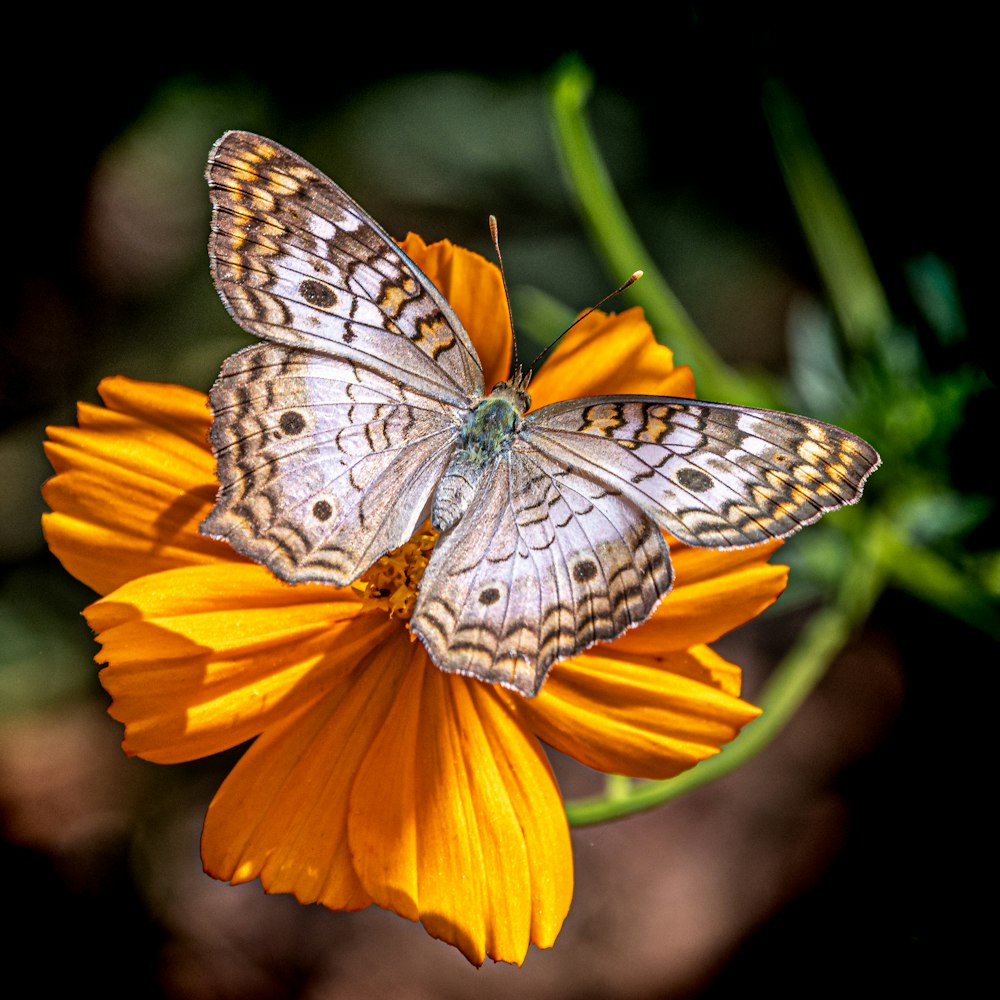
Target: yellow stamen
{"type": "Point", "coordinates": [391, 583]}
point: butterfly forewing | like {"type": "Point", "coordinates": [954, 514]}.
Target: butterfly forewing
{"type": "Point", "coordinates": [299, 262]}
{"type": "Point", "coordinates": [709, 473]}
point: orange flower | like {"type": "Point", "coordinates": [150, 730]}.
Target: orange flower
{"type": "Point", "coordinates": [375, 777]}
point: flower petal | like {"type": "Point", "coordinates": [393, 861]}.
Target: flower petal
{"type": "Point", "coordinates": [713, 593]}
{"type": "Point", "coordinates": [637, 719]}
{"type": "Point", "coordinates": [132, 483]}
{"type": "Point", "coordinates": [282, 813]}
{"type": "Point", "coordinates": [608, 354]}
{"type": "Point", "coordinates": [475, 290]}
{"type": "Point", "coordinates": [473, 840]}
{"type": "Point", "coordinates": [202, 658]}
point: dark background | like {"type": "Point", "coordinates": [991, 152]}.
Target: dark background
{"type": "Point", "coordinates": [846, 855]}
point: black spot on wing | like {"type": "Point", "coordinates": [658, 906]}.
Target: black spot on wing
{"type": "Point", "coordinates": [694, 480]}
{"type": "Point", "coordinates": [292, 422]}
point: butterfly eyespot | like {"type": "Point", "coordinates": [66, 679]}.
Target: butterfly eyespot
{"type": "Point", "coordinates": [318, 293]}
{"type": "Point", "coordinates": [292, 422]}
{"type": "Point", "coordinates": [322, 510]}
{"type": "Point", "coordinates": [695, 480]}
{"type": "Point", "coordinates": [584, 571]}
{"type": "Point", "coordinates": [489, 596]}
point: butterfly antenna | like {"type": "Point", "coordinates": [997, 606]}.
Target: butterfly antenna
{"type": "Point", "coordinates": [632, 279]}
{"type": "Point", "coordinates": [515, 367]}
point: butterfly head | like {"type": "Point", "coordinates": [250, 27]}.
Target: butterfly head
{"type": "Point", "coordinates": [515, 390]}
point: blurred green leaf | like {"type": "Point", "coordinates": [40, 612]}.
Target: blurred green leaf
{"type": "Point", "coordinates": [817, 371]}
{"type": "Point", "coordinates": [986, 568]}
{"type": "Point", "coordinates": [936, 581]}
{"type": "Point", "coordinates": [932, 283]}
{"type": "Point", "coordinates": [930, 516]}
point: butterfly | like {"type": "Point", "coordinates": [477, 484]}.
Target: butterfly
{"type": "Point", "coordinates": [363, 411]}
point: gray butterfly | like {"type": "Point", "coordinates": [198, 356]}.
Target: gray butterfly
{"type": "Point", "coordinates": [363, 412]}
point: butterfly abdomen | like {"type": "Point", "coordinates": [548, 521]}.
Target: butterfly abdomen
{"type": "Point", "coordinates": [486, 434]}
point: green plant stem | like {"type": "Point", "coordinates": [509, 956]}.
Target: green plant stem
{"type": "Point", "coordinates": [834, 238]}
{"type": "Point", "coordinates": [824, 636]}
{"type": "Point", "coordinates": [617, 241]}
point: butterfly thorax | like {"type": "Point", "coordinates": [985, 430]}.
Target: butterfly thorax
{"type": "Point", "coordinates": [486, 435]}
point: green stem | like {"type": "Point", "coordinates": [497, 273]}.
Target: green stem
{"type": "Point", "coordinates": [824, 636]}
{"type": "Point", "coordinates": [617, 241]}
{"type": "Point", "coordinates": [828, 223]}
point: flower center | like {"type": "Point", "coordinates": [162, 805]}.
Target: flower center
{"type": "Point", "coordinates": [391, 583]}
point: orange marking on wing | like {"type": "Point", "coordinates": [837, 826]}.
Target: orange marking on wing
{"type": "Point", "coordinates": [393, 300]}
{"type": "Point", "coordinates": [436, 335]}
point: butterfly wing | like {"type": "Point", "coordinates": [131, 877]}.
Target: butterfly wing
{"type": "Point", "coordinates": [330, 438]}
{"type": "Point", "coordinates": [298, 262]}
{"type": "Point", "coordinates": [544, 563]}
{"type": "Point", "coordinates": [711, 474]}
{"type": "Point", "coordinates": [324, 465]}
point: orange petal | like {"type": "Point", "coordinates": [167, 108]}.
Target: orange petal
{"type": "Point", "coordinates": [282, 813]}
{"type": "Point", "coordinates": [704, 664]}
{"type": "Point", "coordinates": [713, 593]}
{"type": "Point", "coordinates": [693, 565]}
{"type": "Point", "coordinates": [610, 354]}
{"type": "Point", "coordinates": [474, 288]}
{"type": "Point", "coordinates": [472, 841]}
{"type": "Point", "coordinates": [202, 658]}
{"type": "Point", "coordinates": [181, 411]}
{"type": "Point", "coordinates": [636, 719]}
{"type": "Point", "coordinates": [132, 483]}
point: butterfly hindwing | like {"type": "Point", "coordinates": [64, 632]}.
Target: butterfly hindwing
{"type": "Point", "coordinates": [299, 262]}
{"type": "Point", "coordinates": [545, 563]}
{"type": "Point", "coordinates": [325, 465]}
{"type": "Point", "coordinates": [709, 473]}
